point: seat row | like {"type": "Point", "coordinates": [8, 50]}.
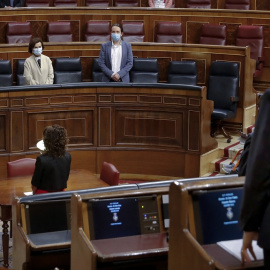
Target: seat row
{"type": "Point", "coordinates": [165, 32]}
{"type": "Point", "coordinates": [69, 70]}
{"type": "Point", "coordinates": [229, 4]}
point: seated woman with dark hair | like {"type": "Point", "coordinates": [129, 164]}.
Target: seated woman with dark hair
{"type": "Point", "coordinates": [53, 165]}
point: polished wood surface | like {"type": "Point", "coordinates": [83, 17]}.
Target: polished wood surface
{"type": "Point", "coordinates": [224, 260]}
{"type": "Point", "coordinates": [132, 247]}
{"type": "Point", "coordinates": [16, 186]}
{"type": "Point", "coordinates": [141, 130]}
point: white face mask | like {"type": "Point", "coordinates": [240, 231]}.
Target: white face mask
{"type": "Point", "coordinates": [37, 51]}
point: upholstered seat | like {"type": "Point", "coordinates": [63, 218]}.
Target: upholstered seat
{"type": "Point", "coordinates": [67, 70]}
{"type": "Point", "coordinates": [6, 77]}
{"type": "Point", "coordinates": [18, 32]}
{"type": "Point", "coordinates": [223, 86]}
{"type": "Point", "coordinates": [98, 31]}
{"type": "Point", "coordinates": [21, 167]}
{"type": "Point", "coordinates": [96, 71]}
{"type": "Point", "coordinates": [133, 31]}
{"type": "Point", "coordinates": [182, 72]}
{"type": "Point", "coordinates": [37, 3]}
{"type": "Point", "coordinates": [252, 36]}
{"type": "Point", "coordinates": [20, 70]}
{"type": "Point", "coordinates": [198, 3]}
{"type": "Point", "coordinates": [109, 174]}
{"type": "Point", "coordinates": [168, 32]}
{"type": "Point", "coordinates": [126, 3]}
{"type": "Point", "coordinates": [97, 3]}
{"type": "Point", "coordinates": [144, 70]}
{"type": "Point", "coordinates": [213, 34]}
{"type": "Point", "coordinates": [59, 32]}
{"type": "Point", "coordinates": [237, 4]}
{"type": "Point", "coordinates": [65, 3]}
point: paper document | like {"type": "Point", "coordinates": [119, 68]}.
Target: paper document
{"type": "Point", "coordinates": [234, 248]}
{"type": "Point", "coordinates": [28, 193]}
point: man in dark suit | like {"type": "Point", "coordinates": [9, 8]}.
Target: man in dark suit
{"type": "Point", "coordinates": [116, 58]}
{"type": "Point", "coordinates": [11, 3]}
{"type": "Point", "coordinates": [255, 213]}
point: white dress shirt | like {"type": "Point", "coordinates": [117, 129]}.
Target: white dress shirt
{"type": "Point", "coordinates": [116, 55]}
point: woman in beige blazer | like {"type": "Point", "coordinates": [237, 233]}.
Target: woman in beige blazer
{"type": "Point", "coordinates": [38, 68]}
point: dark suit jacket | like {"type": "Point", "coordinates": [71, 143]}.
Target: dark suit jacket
{"type": "Point", "coordinates": [105, 61]}
{"type": "Point", "coordinates": [16, 3]}
{"type": "Point", "coordinates": [255, 214]}
{"type": "Point", "coordinates": [51, 174]}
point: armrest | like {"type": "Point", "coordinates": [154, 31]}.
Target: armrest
{"type": "Point", "coordinates": [234, 99]}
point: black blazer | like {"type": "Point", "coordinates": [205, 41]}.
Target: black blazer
{"type": "Point", "coordinates": [16, 3]}
{"type": "Point", "coordinates": [51, 174]}
{"type": "Point", "coordinates": [255, 213]}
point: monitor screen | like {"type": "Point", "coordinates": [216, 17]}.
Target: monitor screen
{"type": "Point", "coordinates": [216, 214]}
{"type": "Point", "coordinates": [115, 217]}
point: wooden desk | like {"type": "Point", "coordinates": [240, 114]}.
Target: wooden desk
{"type": "Point", "coordinates": [16, 186]}
{"type": "Point", "coordinates": [224, 260]}
{"type": "Point", "coordinates": [131, 247]}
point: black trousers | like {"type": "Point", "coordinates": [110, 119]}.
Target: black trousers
{"type": "Point", "coordinates": [266, 254]}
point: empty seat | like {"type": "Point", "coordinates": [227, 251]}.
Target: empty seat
{"type": "Point", "coordinates": [223, 87]}
{"type": "Point", "coordinates": [65, 3]}
{"type": "Point", "coordinates": [98, 31]}
{"type": "Point", "coordinates": [126, 3]}
{"type": "Point", "coordinates": [37, 3]}
{"type": "Point", "coordinates": [109, 174]}
{"type": "Point", "coordinates": [133, 31]}
{"type": "Point", "coordinates": [5, 73]}
{"type": "Point", "coordinates": [144, 70]}
{"type": "Point", "coordinates": [213, 34]}
{"type": "Point", "coordinates": [21, 167]}
{"type": "Point", "coordinates": [96, 71]}
{"type": "Point", "coordinates": [199, 4]}
{"type": "Point", "coordinates": [59, 32]}
{"type": "Point", "coordinates": [20, 70]}
{"type": "Point", "coordinates": [237, 4]}
{"type": "Point", "coordinates": [67, 70]}
{"type": "Point", "coordinates": [252, 36]}
{"type": "Point", "coordinates": [97, 3]}
{"type": "Point", "coordinates": [18, 32]}
{"type": "Point", "coordinates": [182, 72]}
{"type": "Point", "coordinates": [168, 32]}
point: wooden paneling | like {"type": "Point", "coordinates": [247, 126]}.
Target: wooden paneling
{"type": "Point", "coordinates": [149, 130]}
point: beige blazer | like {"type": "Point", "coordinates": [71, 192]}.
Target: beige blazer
{"type": "Point", "coordinates": [35, 75]}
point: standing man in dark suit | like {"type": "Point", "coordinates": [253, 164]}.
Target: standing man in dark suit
{"type": "Point", "coordinates": [116, 58]}
{"type": "Point", "coordinates": [255, 213]}
{"type": "Point", "coordinates": [11, 3]}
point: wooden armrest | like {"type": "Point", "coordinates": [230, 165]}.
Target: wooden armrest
{"type": "Point", "coordinates": [234, 99]}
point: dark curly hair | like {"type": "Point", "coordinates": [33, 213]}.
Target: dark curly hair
{"type": "Point", "coordinates": [55, 141]}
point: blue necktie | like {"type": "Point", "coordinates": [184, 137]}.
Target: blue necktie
{"type": "Point", "coordinates": [11, 3]}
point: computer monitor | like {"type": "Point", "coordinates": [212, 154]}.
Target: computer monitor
{"type": "Point", "coordinates": [216, 214]}
{"type": "Point", "coordinates": [119, 217]}
{"type": "Point", "coordinates": [116, 217]}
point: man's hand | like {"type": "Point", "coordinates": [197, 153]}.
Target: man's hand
{"type": "Point", "coordinates": [247, 245]}
{"type": "Point", "coordinates": [116, 77]}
